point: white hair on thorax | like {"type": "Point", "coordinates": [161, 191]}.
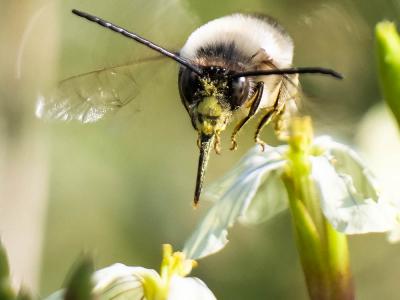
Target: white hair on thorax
{"type": "Point", "coordinates": [249, 33]}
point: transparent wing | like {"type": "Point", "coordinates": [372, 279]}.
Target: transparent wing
{"type": "Point", "coordinates": [90, 96]}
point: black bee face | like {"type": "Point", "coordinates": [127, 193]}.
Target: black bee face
{"type": "Point", "coordinates": [212, 95]}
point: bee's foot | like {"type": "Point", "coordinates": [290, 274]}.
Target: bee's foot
{"type": "Point", "coordinates": [217, 149]}
{"type": "Point", "coordinates": [233, 145]}
{"type": "Point", "coordinates": [198, 143]}
{"type": "Point", "coordinates": [217, 144]}
{"type": "Point", "coordinates": [261, 143]}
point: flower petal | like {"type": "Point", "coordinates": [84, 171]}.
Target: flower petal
{"type": "Point", "coordinates": [240, 187]}
{"type": "Point", "coordinates": [58, 295]}
{"type": "Point", "coordinates": [346, 161]}
{"type": "Point", "coordinates": [120, 282]}
{"type": "Point", "coordinates": [253, 159]}
{"type": "Point", "coordinates": [383, 154]}
{"type": "Point", "coordinates": [271, 198]}
{"type": "Point", "coordinates": [183, 288]}
{"type": "Point", "coordinates": [393, 236]}
{"type": "Point", "coordinates": [348, 196]}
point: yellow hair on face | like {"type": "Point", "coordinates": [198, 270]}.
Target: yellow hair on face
{"type": "Point", "coordinates": [210, 106]}
{"type": "Point", "coordinates": [213, 116]}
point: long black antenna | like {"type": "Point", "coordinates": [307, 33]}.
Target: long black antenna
{"type": "Point", "coordinates": [138, 39]}
{"type": "Point", "coordinates": [301, 70]}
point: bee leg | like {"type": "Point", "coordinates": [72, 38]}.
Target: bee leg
{"type": "Point", "coordinates": [287, 108]}
{"type": "Point", "coordinates": [198, 141]}
{"type": "Point", "coordinates": [253, 109]}
{"type": "Point", "coordinates": [266, 119]}
{"type": "Point", "coordinates": [217, 143]}
{"type": "Point", "coordinates": [281, 124]}
{"type": "Point", "coordinates": [275, 112]}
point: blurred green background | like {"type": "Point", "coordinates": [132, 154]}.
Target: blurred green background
{"type": "Point", "coordinates": [120, 188]}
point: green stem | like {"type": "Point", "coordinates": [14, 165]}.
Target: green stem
{"type": "Point", "coordinates": [388, 49]}
{"type": "Point", "coordinates": [339, 264]}
{"type": "Point", "coordinates": [309, 245]}
{"type": "Point", "coordinates": [323, 251]}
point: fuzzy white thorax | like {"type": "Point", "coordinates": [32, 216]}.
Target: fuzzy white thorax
{"type": "Point", "coordinates": [249, 33]}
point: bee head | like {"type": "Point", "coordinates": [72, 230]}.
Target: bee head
{"type": "Point", "coordinates": [210, 98]}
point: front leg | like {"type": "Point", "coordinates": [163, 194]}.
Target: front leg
{"type": "Point", "coordinates": [253, 109]}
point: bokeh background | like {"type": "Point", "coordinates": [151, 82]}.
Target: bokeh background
{"type": "Point", "coordinates": [120, 188]}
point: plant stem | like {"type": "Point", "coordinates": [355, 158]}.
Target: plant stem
{"type": "Point", "coordinates": [388, 49]}
{"type": "Point", "coordinates": [323, 251]}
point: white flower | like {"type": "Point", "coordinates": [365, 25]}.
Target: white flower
{"type": "Point", "coordinates": [120, 282]}
{"type": "Point", "coordinates": [383, 156]}
{"type": "Point", "coordinates": [253, 191]}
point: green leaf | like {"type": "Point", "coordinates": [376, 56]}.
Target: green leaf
{"type": "Point", "coordinates": [388, 51]}
{"type": "Point", "coordinates": [79, 285]}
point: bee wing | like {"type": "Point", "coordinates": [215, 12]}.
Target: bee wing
{"type": "Point", "coordinates": [88, 97]}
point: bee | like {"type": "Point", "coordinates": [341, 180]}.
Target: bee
{"type": "Point", "coordinates": [237, 64]}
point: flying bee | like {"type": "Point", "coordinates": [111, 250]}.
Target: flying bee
{"type": "Point", "coordinates": [237, 64]}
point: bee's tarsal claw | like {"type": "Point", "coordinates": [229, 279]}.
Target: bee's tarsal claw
{"type": "Point", "coordinates": [234, 145]}
{"type": "Point", "coordinates": [261, 143]}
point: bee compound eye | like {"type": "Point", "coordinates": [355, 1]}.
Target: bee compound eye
{"type": "Point", "coordinates": [240, 91]}
{"type": "Point", "coordinates": [189, 85]}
